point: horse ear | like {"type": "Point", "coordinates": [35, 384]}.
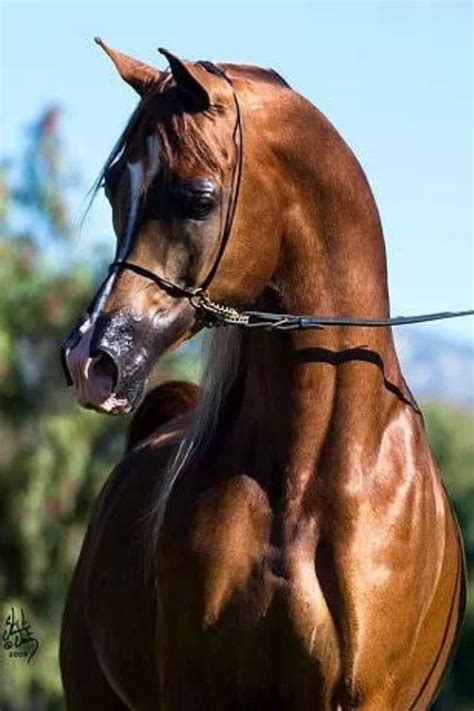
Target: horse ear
{"type": "Point", "coordinates": [140, 76]}
{"type": "Point", "coordinates": [189, 77]}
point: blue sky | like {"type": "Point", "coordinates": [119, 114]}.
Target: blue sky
{"type": "Point", "coordinates": [394, 77]}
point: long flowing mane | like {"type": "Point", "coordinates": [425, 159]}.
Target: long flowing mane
{"type": "Point", "coordinates": [221, 363]}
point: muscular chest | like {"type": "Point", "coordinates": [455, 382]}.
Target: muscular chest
{"type": "Point", "coordinates": [224, 564]}
{"type": "Point", "coordinates": [234, 602]}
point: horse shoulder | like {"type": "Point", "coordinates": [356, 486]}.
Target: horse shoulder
{"type": "Point", "coordinates": [401, 540]}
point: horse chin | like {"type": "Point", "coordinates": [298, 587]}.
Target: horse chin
{"type": "Point", "coordinates": [114, 406]}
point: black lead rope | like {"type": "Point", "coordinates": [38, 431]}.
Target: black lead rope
{"type": "Point", "coordinates": [212, 314]}
{"type": "Point", "coordinates": [290, 322]}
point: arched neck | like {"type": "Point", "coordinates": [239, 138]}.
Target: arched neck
{"type": "Point", "coordinates": [307, 398]}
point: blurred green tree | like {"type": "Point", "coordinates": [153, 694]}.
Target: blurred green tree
{"type": "Point", "coordinates": [53, 456]}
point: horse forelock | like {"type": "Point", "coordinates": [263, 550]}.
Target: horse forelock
{"type": "Point", "coordinates": [164, 112]}
{"type": "Point", "coordinates": [180, 132]}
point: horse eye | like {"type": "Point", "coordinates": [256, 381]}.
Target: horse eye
{"type": "Point", "coordinates": [193, 200]}
{"type": "Point", "coordinates": [185, 200]}
{"type": "Point", "coordinates": [196, 206]}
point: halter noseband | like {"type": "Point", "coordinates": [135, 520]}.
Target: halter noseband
{"type": "Point", "coordinates": [213, 314]}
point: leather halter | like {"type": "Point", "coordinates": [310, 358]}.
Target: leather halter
{"type": "Point", "coordinates": [213, 314]}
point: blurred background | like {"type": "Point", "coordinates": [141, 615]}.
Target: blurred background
{"type": "Point", "coordinates": [396, 80]}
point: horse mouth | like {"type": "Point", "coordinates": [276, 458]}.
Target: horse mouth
{"type": "Point", "coordinates": [112, 402]}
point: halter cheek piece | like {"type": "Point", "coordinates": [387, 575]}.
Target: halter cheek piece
{"type": "Point", "coordinates": [212, 314]}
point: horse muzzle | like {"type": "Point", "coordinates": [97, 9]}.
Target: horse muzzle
{"type": "Point", "coordinates": [107, 362]}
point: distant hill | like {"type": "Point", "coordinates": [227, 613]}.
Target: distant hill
{"type": "Point", "coordinates": [436, 368]}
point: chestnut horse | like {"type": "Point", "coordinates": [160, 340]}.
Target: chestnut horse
{"type": "Point", "coordinates": [282, 539]}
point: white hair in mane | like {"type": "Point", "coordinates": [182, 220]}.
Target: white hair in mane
{"type": "Point", "coordinates": [220, 370]}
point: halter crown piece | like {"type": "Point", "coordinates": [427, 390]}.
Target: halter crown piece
{"type": "Point", "coordinates": [213, 314]}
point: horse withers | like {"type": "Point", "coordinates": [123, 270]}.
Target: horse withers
{"type": "Point", "coordinates": [281, 539]}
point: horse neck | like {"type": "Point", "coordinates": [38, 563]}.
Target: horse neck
{"type": "Point", "coordinates": [305, 399]}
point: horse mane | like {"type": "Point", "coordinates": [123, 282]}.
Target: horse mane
{"type": "Point", "coordinates": [255, 73]}
{"type": "Point", "coordinates": [161, 404]}
{"type": "Point", "coordinates": [220, 370]}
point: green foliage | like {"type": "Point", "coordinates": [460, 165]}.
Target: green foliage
{"type": "Point", "coordinates": [53, 459]}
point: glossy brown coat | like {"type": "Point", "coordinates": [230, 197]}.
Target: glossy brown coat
{"type": "Point", "coordinates": [309, 557]}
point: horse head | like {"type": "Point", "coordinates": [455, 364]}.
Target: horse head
{"type": "Point", "coordinates": [186, 203]}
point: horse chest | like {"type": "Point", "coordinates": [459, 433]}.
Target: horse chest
{"type": "Point", "coordinates": [262, 604]}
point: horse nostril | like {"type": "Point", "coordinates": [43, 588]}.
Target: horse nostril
{"type": "Point", "coordinates": [105, 372]}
